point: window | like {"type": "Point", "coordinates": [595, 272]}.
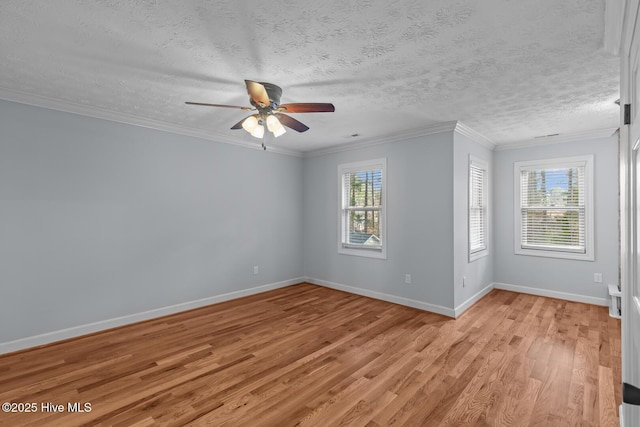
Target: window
{"type": "Point", "coordinates": [478, 212]}
{"type": "Point", "coordinates": [362, 208]}
{"type": "Point", "coordinates": [554, 208]}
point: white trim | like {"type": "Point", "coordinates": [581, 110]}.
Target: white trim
{"type": "Point", "coordinates": [380, 253]}
{"type": "Point", "coordinates": [628, 32]}
{"type": "Point", "coordinates": [613, 22]}
{"type": "Point", "coordinates": [477, 137]}
{"type": "Point", "coordinates": [626, 214]}
{"type": "Point", "coordinates": [628, 210]}
{"type": "Point", "coordinates": [131, 119]}
{"type": "Point", "coordinates": [552, 294]}
{"type": "Point", "coordinates": [435, 128]}
{"type": "Point", "coordinates": [434, 308]}
{"type": "Point", "coordinates": [621, 414]}
{"type": "Point", "coordinates": [76, 331]}
{"type": "Point", "coordinates": [559, 139]}
{"type": "Point", "coordinates": [474, 299]}
{"type": "Point", "coordinates": [589, 223]}
{"type": "Point", "coordinates": [465, 130]}
{"type": "Point", "coordinates": [474, 256]}
{"type": "Point", "coordinates": [400, 136]}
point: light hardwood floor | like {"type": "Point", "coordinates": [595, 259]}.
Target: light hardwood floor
{"type": "Point", "coordinates": [307, 355]}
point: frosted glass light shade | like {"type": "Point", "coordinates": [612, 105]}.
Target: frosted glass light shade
{"type": "Point", "coordinates": [250, 124]}
{"type": "Point", "coordinates": [258, 132]}
{"type": "Point", "coordinates": [273, 123]}
{"type": "Point", "coordinates": [279, 131]}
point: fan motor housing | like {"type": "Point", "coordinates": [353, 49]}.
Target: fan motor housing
{"type": "Point", "coordinates": [274, 92]}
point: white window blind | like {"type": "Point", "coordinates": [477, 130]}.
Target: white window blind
{"type": "Point", "coordinates": [478, 181]}
{"type": "Point", "coordinates": [554, 207]}
{"type": "Point", "coordinates": [362, 208]}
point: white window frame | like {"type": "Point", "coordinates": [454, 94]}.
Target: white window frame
{"type": "Point", "coordinates": [557, 252]}
{"type": "Point", "coordinates": [343, 247]}
{"type": "Point", "coordinates": [477, 163]}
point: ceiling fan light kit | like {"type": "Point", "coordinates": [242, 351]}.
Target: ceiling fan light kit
{"type": "Point", "coordinates": [265, 98]}
{"type": "Point", "coordinates": [279, 131]}
{"type": "Point", "coordinates": [258, 132]}
{"type": "Point", "coordinates": [250, 123]}
{"type": "Point", "coordinates": [274, 126]}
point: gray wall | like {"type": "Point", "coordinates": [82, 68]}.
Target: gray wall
{"type": "Point", "coordinates": [419, 224]}
{"type": "Point", "coordinates": [100, 219]}
{"type": "Point", "coordinates": [569, 276]}
{"type": "Point", "coordinates": [478, 273]}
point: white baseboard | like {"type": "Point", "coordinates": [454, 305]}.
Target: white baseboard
{"type": "Point", "coordinates": [621, 414]}
{"type": "Point", "coordinates": [76, 331]}
{"type": "Point", "coordinates": [446, 311]}
{"type": "Point", "coordinates": [474, 299]}
{"type": "Point", "coordinates": [552, 294]}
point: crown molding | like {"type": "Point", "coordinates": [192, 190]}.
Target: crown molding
{"type": "Point", "coordinates": [400, 136]}
{"type": "Point", "coordinates": [130, 119]}
{"type": "Point", "coordinates": [475, 136]}
{"type": "Point", "coordinates": [536, 142]}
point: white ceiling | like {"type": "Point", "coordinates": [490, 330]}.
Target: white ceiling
{"type": "Point", "coordinates": [510, 70]}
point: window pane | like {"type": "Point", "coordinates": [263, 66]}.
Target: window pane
{"type": "Point", "coordinates": [553, 227]}
{"type": "Point", "coordinates": [552, 187]}
{"type": "Point", "coordinates": [476, 229]}
{"type": "Point", "coordinates": [363, 188]}
{"type": "Point", "coordinates": [555, 212]}
{"type": "Point", "coordinates": [363, 228]}
{"type": "Point", "coordinates": [477, 209]}
{"type": "Point", "coordinates": [362, 209]}
{"type": "Point", "coordinates": [552, 202]}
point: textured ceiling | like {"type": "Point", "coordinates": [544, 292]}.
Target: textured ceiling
{"type": "Point", "coordinates": [510, 70]}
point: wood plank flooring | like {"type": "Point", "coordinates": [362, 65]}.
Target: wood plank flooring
{"type": "Point", "coordinates": [310, 356]}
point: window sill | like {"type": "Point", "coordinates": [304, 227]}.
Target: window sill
{"type": "Point", "coordinates": [477, 255]}
{"type": "Point", "coordinates": [366, 253]}
{"type": "Point", "coordinates": [556, 254]}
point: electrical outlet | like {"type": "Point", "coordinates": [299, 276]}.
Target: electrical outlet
{"type": "Point", "coordinates": [256, 269]}
{"type": "Point", "coordinates": [464, 281]}
{"type": "Point", "coordinates": [407, 279]}
{"type": "Point", "coordinates": [597, 277]}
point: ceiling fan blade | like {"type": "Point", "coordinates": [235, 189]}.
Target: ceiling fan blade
{"type": "Point", "coordinates": [219, 105]}
{"type": "Point", "coordinates": [258, 93]}
{"type": "Point", "coordinates": [292, 123]}
{"type": "Point", "coordinates": [239, 124]}
{"type": "Point", "coordinates": [307, 107]}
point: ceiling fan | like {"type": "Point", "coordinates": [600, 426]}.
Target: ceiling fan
{"type": "Point", "coordinates": [265, 99]}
